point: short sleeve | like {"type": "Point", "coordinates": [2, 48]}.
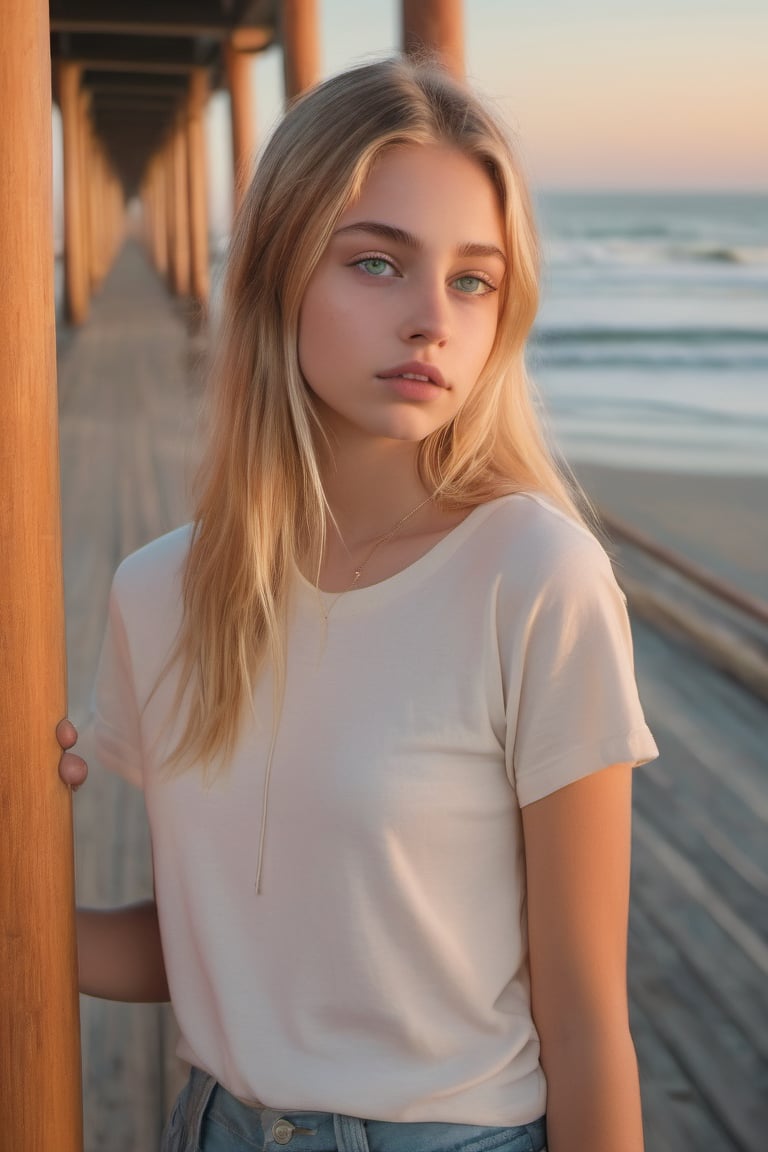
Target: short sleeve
{"type": "Point", "coordinates": [115, 729]}
{"type": "Point", "coordinates": [576, 707]}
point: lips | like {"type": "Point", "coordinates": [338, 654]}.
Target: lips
{"type": "Point", "coordinates": [415, 370]}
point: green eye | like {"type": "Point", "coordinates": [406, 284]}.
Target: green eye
{"type": "Point", "coordinates": [374, 265]}
{"type": "Point", "coordinates": [472, 285]}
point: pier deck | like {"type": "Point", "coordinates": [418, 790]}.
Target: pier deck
{"type": "Point", "coordinates": [699, 927]}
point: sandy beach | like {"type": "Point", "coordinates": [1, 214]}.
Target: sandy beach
{"type": "Point", "coordinates": [718, 521]}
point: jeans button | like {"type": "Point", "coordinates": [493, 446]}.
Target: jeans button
{"type": "Point", "coordinates": [282, 1131]}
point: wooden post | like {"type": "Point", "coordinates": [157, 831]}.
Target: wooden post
{"type": "Point", "coordinates": [118, 214]}
{"type": "Point", "coordinates": [180, 208]}
{"type": "Point", "coordinates": [98, 212]}
{"type": "Point", "coordinates": [198, 201]}
{"type": "Point", "coordinates": [301, 52]}
{"type": "Point", "coordinates": [39, 1024]}
{"type": "Point", "coordinates": [435, 26]}
{"type": "Point", "coordinates": [87, 185]}
{"type": "Point", "coordinates": [76, 277]}
{"type": "Point", "coordinates": [169, 182]}
{"type": "Point", "coordinates": [159, 214]}
{"type": "Point", "coordinates": [238, 66]}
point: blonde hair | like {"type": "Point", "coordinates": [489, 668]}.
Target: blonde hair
{"type": "Point", "coordinates": [261, 505]}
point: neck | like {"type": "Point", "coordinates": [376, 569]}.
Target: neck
{"type": "Point", "coordinates": [370, 485]}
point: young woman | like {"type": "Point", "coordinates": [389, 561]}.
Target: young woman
{"type": "Point", "coordinates": [380, 694]}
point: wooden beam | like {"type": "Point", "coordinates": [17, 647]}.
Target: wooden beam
{"type": "Point", "coordinates": [39, 1021]}
{"type": "Point", "coordinates": [208, 31]}
{"type": "Point", "coordinates": [84, 127]}
{"type": "Point", "coordinates": [435, 26]}
{"type": "Point", "coordinates": [124, 82]}
{"type": "Point", "coordinates": [180, 207]}
{"type": "Point", "coordinates": [242, 112]}
{"type": "Point", "coordinates": [252, 39]}
{"type": "Point", "coordinates": [159, 214]}
{"type": "Point", "coordinates": [75, 274]}
{"type": "Point", "coordinates": [198, 200]}
{"type": "Point", "coordinates": [299, 31]}
{"type": "Point", "coordinates": [190, 51]}
{"type": "Point", "coordinates": [136, 66]}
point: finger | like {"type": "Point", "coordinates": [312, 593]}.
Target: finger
{"type": "Point", "coordinates": [73, 770]}
{"type": "Point", "coordinates": [66, 733]}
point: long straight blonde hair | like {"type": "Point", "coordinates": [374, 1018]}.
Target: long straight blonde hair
{"type": "Point", "coordinates": [261, 503]}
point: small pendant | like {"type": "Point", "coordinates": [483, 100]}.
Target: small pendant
{"type": "Point", "coordinates": [357, 573]}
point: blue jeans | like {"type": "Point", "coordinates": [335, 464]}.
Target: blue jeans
{"type": "Point", "coordinates": [207, 1118]}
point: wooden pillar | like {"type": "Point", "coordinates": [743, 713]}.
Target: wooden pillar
{"type": "Point", "coordinates": [198, 200]}
{"type": "Point", "coordinates": [301, 53]}
{"type": "Point", "coordinates": [118, 213]}
{"type": "Point", "coordinates": [238, 66]}
{"type": "Point", "coordinates": [98, 212]}
{"type": "Point", "coordinates": [159, 214]}
{"type": "Point", "coordinates": [76, 277]}
{"type": "Point", "coordinates": [86, 184]}
{"type": "Point", "coordinates": [146, 216]}
{"type": "Point", "coordinates": [180, 207]}
{"type": "Point", "coordinates": [39, 1024]}
{"type": "Point", "coordinates": [170, 211]}
{"type": "Point", "coordinates": [435, 26]}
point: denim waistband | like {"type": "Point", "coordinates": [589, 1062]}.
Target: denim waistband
{"type": "Point", "coordinates": [206, 1116]}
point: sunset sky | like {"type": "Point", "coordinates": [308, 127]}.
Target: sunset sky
{"type": "Point", "coordinates": [601, 93]}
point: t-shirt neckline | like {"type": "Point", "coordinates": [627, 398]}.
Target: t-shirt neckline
{"type": "Point", "coordinates": [360, 599]}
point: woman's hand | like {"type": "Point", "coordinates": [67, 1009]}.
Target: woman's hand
{"type": "Point", "coordinates": [72, 769]}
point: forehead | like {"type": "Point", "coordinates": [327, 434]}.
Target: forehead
{"type": "Point", "coordinates": [430, 189]}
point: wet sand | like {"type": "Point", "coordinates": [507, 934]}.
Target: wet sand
{"type": "Point", "coordinates": [718, 521]}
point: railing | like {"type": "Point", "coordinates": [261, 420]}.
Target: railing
{"type": "Point", "coordinates": [729, 626]}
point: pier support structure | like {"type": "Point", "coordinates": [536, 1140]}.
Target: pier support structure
{"type": "Point", "coordinates": [75, 273]}
{"type": "Point", "coordinates": [39, 1023]}
{"type": "Point", "coordinates": [238, 66]}
{"type": "Point", "coordinates": [198, 200]}
{"type": "Point", "coordinates": [159, 201]}
{"type": "Point", "coordinates": [299, 32]}
{"type": "Point", "coordinates": [435, 26]}
{"type": "Point", "coordinates": [181, 263]}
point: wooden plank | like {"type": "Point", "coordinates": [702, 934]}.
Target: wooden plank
{"type": "Point", "coordinates": [731, 896]}
{"type": "Point", "coordinates": [723, 726]}
{"type": "Point", "coordinates": [700, 1034]}
{"type": "Point", "coordinates": [675, 1115]}
{"type": "Point", "coordinates": [697, 940]}
{"type": "Point", "coordinates": [729, 970]}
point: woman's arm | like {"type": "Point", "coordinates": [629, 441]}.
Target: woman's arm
{"type": "Point", "coordinates": [118, 950]}
{"type": "Point", "coordinates": [577, 850]}
{"type": "Point", "coordinates": [119, 954]}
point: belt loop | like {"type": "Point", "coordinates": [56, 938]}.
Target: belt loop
{"type": "Point", "coordinates": [202, 1090]}
{"type": "Point", "coordinates": [350, 1134]}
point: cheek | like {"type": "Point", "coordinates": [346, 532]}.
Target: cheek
{"type": "Point", "coordinates": [314, 332]}
{"type": "Point", "coordinates": [484, 338]}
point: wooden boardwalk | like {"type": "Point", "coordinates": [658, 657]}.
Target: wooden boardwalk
{"type": "Point", "coordinates": [699, 923]}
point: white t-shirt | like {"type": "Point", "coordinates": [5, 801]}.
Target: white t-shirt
{"type": "Point", "coordinates": [382, 970]}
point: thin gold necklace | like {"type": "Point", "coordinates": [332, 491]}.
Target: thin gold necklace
{"type": "Point", "coordinates": [359, 570]}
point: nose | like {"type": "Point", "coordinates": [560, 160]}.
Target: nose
{"type": "Point", "coordinates": [426, 319]}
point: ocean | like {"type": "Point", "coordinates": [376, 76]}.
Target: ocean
{"type": "Point", "coordinates": [651, 346]}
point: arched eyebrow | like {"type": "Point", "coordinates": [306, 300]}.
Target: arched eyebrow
{"type": "Point", "coordinates": [408, 240]}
